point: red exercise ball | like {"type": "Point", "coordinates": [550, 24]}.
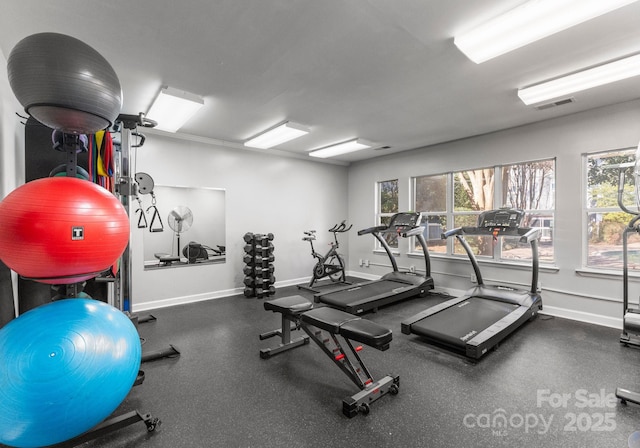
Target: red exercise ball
{"type": "Point", "coordinates": [62, 230]}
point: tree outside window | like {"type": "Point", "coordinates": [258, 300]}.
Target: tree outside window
{"type": "Point", "coordinates": [388, 206]}
{"type": "Point", "coordinates": [430, 194]}
{"type": "Point", "coordinates": [473, 193]}
{"type": "Point", "coordinates": [604, 218]}
{"type": "Point", "coordinates": [529, 186]}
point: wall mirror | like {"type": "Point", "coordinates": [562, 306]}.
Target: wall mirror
{"type": "Point", "coordinates": [185, 227]}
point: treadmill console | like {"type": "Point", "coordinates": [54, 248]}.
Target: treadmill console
{"type": "Point", "coordinates": [504, 218]}
{"type": "Point", "coordinates": [404, 221]}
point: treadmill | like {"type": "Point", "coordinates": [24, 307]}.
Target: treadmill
{"type": "Point", "coordinates": [392, 287]}
{"type": "Point", "coordinates": [477, 321]}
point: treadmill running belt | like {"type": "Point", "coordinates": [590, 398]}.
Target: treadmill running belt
{"type": "Point", "coordinates": [456, 325]}
{"type": "Point", "coordinates": [360, 292]}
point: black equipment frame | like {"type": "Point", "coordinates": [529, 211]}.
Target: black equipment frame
{"type": "Point", "coordinates": [334, 332]}
{"type": "Point", "coordinates": [329, 264]}
{"type": "Point", "coordinates": [365, 296]}
{"type": "Point", "coordinates": [630, 316]}
{"type": "Point", "coordinates": [520, 305]}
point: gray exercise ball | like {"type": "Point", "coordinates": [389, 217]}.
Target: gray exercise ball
{"type": "Point", "coordinates": [64, 83]}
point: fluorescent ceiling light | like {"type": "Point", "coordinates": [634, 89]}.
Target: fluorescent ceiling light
{"type": "Point", "coordinates": [278, 135]}
{"type": "Point", "coordinates": [172, 108]}
{"type": "Point", "coordinates": [528, 23]}
{"type": "Point", "coordinates": [583, 80]}
{"type": "Point", "coordinates": [341, 148]}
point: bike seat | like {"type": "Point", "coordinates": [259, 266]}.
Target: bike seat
{"type": "Point", "coordinates": [309, 238]}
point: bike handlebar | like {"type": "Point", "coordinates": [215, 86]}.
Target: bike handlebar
{"type": "Point", "coordinates": [340, 228]}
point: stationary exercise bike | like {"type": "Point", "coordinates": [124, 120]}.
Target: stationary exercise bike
{"type": "Point", "coordinates": [330, 264]}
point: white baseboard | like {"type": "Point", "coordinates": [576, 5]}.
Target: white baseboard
{"type": "Point", "coordinates": [580, 316]}
{"type": "Point", "coordinates": [183, 300]}
{"type": "Point", "coordinates": [363, 275]}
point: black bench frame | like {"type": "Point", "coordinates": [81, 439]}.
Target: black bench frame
{"type": "Point", "coordinates": [334, 330]}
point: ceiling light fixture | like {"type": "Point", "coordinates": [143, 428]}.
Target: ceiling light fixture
{"type": "Point", "coordinates": [583, 80]}
{"type": "Point", "coordinates": [172, 108]}
{"type": "Point", "coordinates": [341, 148]}
{"type": "Point", "coordinates": [277, 135]}
{"type": "Point", "coordinates": [528, 23]}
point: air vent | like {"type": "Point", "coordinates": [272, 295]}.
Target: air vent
{"type": "Point", "coordinates": [556, 103]}
{"type": "Point", "coordinates": [381, 147]}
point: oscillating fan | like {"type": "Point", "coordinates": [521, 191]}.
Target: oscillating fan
{"type": "Point", "coordinates": [180, 220]}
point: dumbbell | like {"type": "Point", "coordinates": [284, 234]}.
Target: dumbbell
{"type": "Point", "coordinates": [257, 260]}
{"type": "Point", "coordinates": [249, 292]}
{"type": "Point", "coordinates": [268, 248]}
{"type": "Point", "coordinates": [253, 282]}
{"type": "Point", "coordinates": [269, 280]}
{"type": "Point", "coordinates": [262, 260]}
{"type": "Point", "coordinates": [251, 249]}
{"type": "Point", "coordinates": [263, 271]}
{"type": "Point", "coordinates": [248, 237]}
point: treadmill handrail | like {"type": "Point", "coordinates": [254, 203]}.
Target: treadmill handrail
{"type": "Point", "coordinates": [425, 253]}
{"type": "Point", "coordinates": [387, 249]}
{"type": "Point", "coordinates": [527, 235]}
{"type": "Point", "coordinates": [452, 232]}
{"type": "Point", "coordinates": [530, 235]}
{"type": "Point", "coordinates": [412, 232]}
{"type": "Point", "coordinates": [371, 230]}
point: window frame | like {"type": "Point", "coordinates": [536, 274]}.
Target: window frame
{"type": "Point", "coordinates": [380, 215]}
{"type": "Point", "coordinates": [452, 213]}
{"type": "Point", "coordinates": [587, 210]}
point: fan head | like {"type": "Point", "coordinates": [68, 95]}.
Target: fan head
{"type": "Point", "coordinates": [180, 219]}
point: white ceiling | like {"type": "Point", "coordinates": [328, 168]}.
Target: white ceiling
{"type": "Point", "coordinates": [382, 70]}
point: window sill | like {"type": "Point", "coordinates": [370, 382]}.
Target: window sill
{"type": "Point", "coordinates": [488, 262]}
{"type": "Point", "coordinates": [606, 273]}
{"type": "Point", "coordinates": [395, 252]}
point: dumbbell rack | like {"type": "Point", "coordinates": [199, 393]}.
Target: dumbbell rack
{"type": "Point", "coordinates": [258, 270]}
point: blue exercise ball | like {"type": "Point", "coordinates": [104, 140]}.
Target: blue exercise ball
{"type": "Point", "coordinates": [66, 366]}
{"type": "Point", "coordinates": [64, 83]}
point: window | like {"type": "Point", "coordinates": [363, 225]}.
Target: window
{"type": "Point", "coordinates": [605, 221]}
{"type": "Point", "coordinates": [530, 187]}
{"type": "Point", "coordinates": [430, 194]}
{"type": "Point", "coordinates": [456, 199]}
{"type": "Point", "coordinates": [473, 192]}
{"type": "Point", "coordinates": [388, 206]}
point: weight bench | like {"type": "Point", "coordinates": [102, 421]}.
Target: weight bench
{"type": "Point", "coordinates": [166, 259]}
{"type": "Point", "coordinates": [324, 326]}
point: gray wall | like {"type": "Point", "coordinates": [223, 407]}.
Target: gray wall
{"type": "Point", "coordinates": [263, 193]}
{"type": "Point", "coordinates": [587, 296]}
{"type": "Point", "coordinates": [283, 195]}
